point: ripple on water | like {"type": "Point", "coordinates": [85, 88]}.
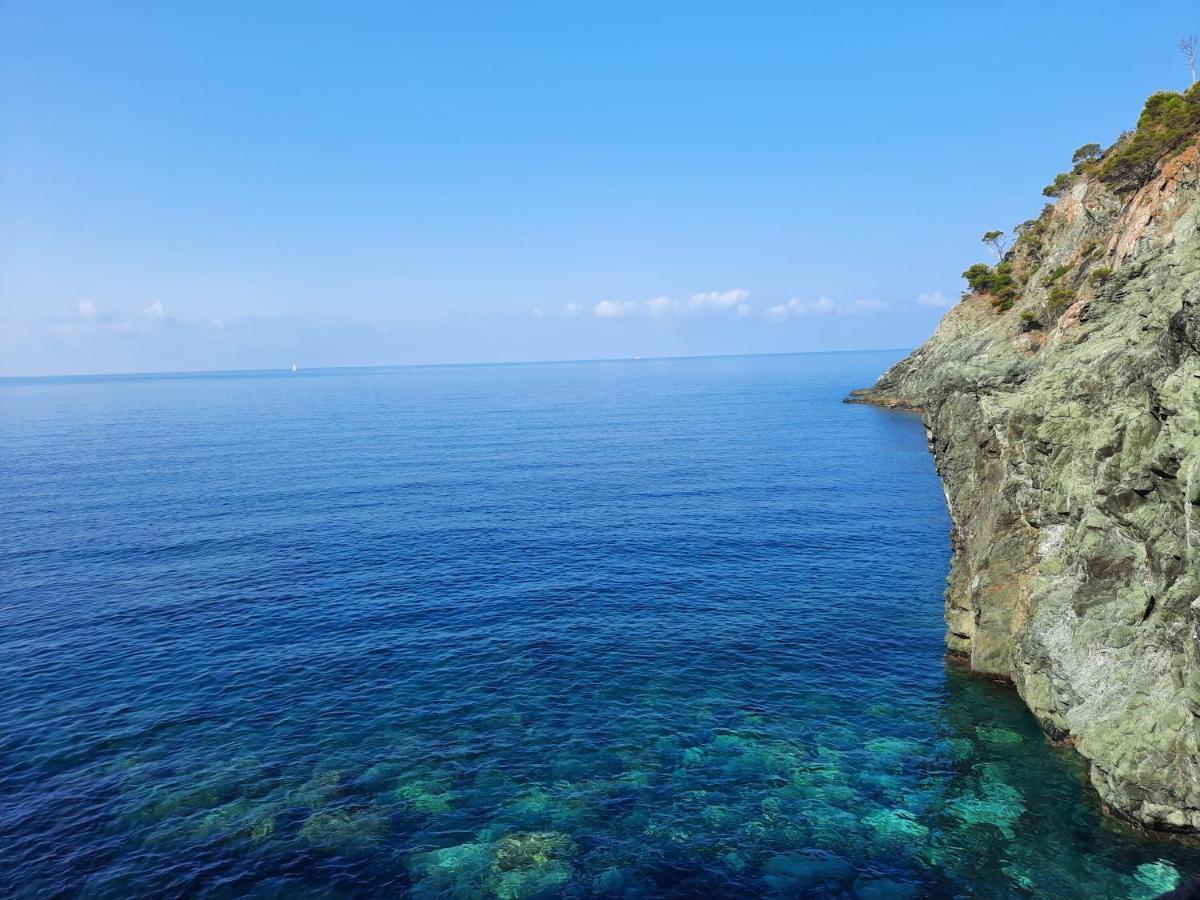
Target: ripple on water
{"type": "Point", "coordinates": [665, 629]}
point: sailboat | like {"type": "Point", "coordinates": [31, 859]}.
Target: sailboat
{"type": "Point", "coordinates": [295, 368]}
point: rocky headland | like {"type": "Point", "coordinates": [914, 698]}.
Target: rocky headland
{"type": "Point", "coordinates": [1061, 399]}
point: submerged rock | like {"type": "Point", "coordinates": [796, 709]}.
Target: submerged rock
{"type": "Point", "coordinates": [959, 748]}
{"type": "Point", "coordinates": [456, 871]}
{"type": "Point", "coordinates": [1154, 879]}
{"type": "Point", "coordinates": [425, 794]}
{"type": "Point", "coordinates": [531, 849]}
{"type": "Point", "coordinates": [262, 828]}
{"type": "Point", "coordinates": [318, 791]}
{"type": "Point", "coordinates": [344, 829]}
{"type": "Point", "coordinates": [539, 882]}
{"type": "Point", "coordinates": [516, 866]}
{"type": "Point", "coordinates": [241, 817]}
{"type": "Point", "coordinates": [1000, 736]}
{"type": "Point", "coordinates": [894, 750]}
{"type": "Point", "coordinates": [990, 802]}
{"type": "Point", "coordinates": [897, 823]}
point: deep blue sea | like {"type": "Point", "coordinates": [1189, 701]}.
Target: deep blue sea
{"type": "Point", "coordinates": [615, 629]}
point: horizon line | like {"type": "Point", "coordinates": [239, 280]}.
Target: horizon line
{"type": "Point", "coordinates": [189, 373]}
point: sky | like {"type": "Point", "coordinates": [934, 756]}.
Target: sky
{"type": "Point", "coordinates": [247, 185]}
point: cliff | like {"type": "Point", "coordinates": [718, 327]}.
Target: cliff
{"type": "Point", "coordinates": [1062, 405]}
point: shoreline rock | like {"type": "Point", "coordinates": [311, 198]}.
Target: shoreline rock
{"type": "Point", "coordinates": [1070, 458]}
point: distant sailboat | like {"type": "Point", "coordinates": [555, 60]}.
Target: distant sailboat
{"type": "Point", "coordinates": [294, 368]}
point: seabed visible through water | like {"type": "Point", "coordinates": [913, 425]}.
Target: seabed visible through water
{"type": "Point", "coordinates": [664, 629]}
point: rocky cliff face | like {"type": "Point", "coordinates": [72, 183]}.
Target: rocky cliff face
{"type": "Point", "coordinates": [1066, 431]}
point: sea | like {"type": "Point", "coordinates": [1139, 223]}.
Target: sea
{"type": "Point", "coordinates": [642, 628]}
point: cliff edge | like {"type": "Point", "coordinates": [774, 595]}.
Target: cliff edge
{"type": "Point", "coordinates": [1061, 399]}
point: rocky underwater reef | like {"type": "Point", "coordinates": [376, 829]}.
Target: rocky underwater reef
{"type": "Point", "coordinates": [282, 686]}
{"type": "Point", "coordinates": [733, 806]}
{"type": "Point", "coordinates": [1061, 399]}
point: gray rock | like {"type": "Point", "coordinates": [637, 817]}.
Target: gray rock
{"type": "Point", "coordinates": [1070, 457]}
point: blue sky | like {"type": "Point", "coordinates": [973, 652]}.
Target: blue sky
{"type": "Point", "coordinates": [241, 185]}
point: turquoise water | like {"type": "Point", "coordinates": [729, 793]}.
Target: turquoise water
{"type": "Point", "coordinates": [631, 629]}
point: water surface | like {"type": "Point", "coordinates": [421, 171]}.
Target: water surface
{"type": "Point", "coordinates": [627, 629]}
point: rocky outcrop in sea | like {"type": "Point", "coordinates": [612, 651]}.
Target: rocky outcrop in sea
{"type": "Point", "coordinates": [1062, 407]}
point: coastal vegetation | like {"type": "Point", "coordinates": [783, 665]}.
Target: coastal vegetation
{"type": "Point", "coordinates": [1168, 122]}
{"type": "Point", "coordinates": [997, 281]}
{"type": "Point", "coordinates": [1058, 186]}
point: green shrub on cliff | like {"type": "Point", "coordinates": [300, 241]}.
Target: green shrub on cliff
{"type": "Point", "coordinates": [1005, 288]}
{"type": "Point", "coordinates": [1166, 122]}
{"type": "Point", "coordinates": [997, 281]}
{"type": "Point", "coordinates": [1058, 186]}
{"type": "Point", "coordinates": [1086, 155]}
{"type": "Point", "coordinates": [1060, 297]}
{"type": "Point", "coordinates": [979, 278]}
{"type": "Point", "coordinates": [1032, 233]}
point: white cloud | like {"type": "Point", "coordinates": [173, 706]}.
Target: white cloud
{"type": "Point", "coordinates": [797, 307]}
{"type": "Point", "coordinates": [574, 309]}
{"type": "Point", "coordinates": [86, 308]}
{"type": "Point", "coordinates": [660, 306]}
{"type": "Point", "coordinates": [718, 299]}
{"type": "Point", "coordinates": [155, 311]}
{"type": "Point", "coordinates": [733, 300]}
{"type": "Point", "coordinates": [614, 309]}
{"type": "Point", "coordinates": [823, 306]}
{"type": "Point", "coordinates": [673, 306]}
{"type": "Point", "coordinates": [937, 298]}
